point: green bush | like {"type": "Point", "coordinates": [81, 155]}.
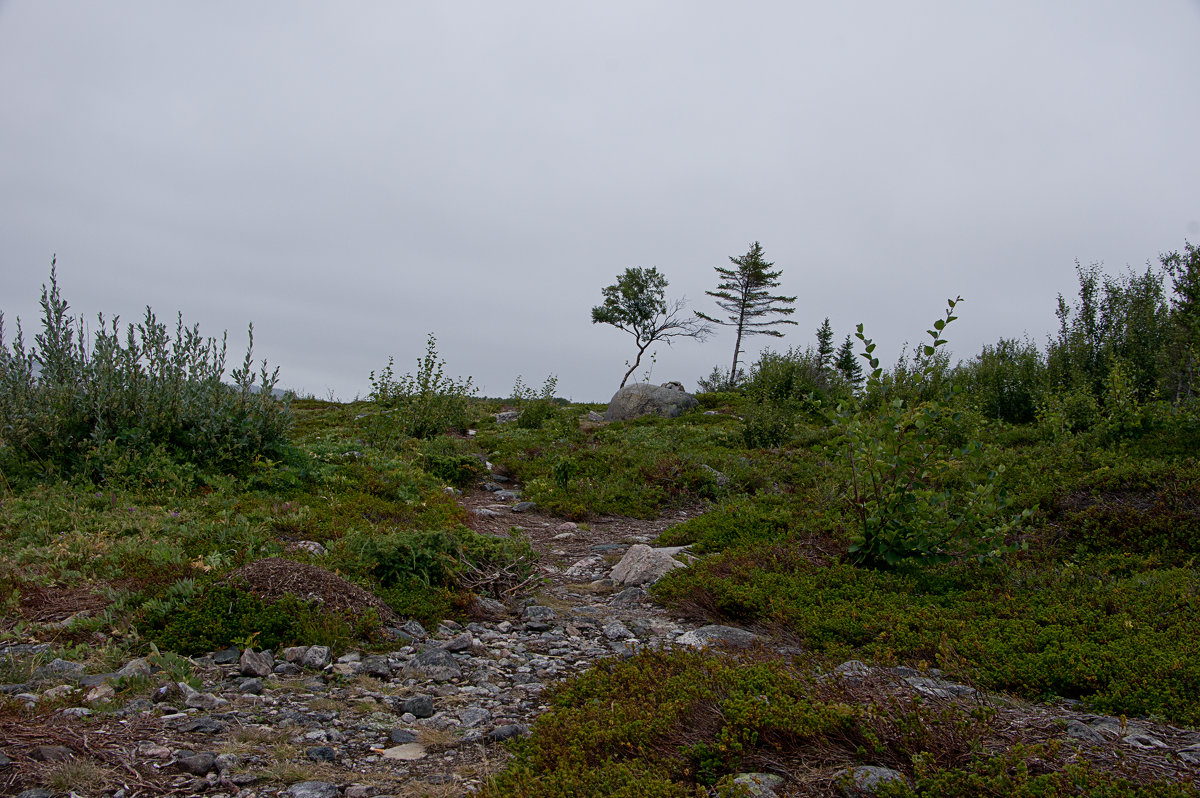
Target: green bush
{"type": "Point", "coordinates": [920, 486]}
{"type": "Point", "coordinates": [1004, 381]}
{"type": "Point", "coordinates": [222, 615]}
{"type": "Point", "coordinates": [67, 407]}
{"type": "Point", "coordinates": [420, 406]}
{"type": "Point", "coordinates": [535, 406]}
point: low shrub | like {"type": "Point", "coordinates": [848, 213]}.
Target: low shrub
{"type": "Point", "coordinates": [423, 405]}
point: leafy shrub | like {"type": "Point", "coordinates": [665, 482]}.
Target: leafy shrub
{"type": "Point", "coordinates": [420, 406]}
{"type": "Point", "coordinates": [462, 558]}
{"type": "Point", "coordinates": [737, 521]}
{"type": "Point", "coordinates": [769, 424]}
{"type": "Point", "coordinates": [915, 492]}
{"type": "Point", "coordinates": [70, 408]}
{"type": "Point", "coordinates": [1004, 381]}
{"type": "Point", "coordinates": [537, 406]}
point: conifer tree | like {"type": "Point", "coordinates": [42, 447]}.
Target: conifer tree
{"type": "Point", "coordinates": [743, 293]}
{"type": "Point", "coordinates": [848, 364]}
{"type": "Point", "coordinates": [825, 346]}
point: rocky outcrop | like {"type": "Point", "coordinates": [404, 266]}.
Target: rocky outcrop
{"type": "Point", "coordinates": [644, 399]}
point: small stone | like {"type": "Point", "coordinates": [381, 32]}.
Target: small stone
{"type": "Point", "coordinates": [316, 657]}
{"type": "Point", "coordinates": [508, 731]}
{"type": "Point", "coordinates": [630, 595]}
{"type": "Point", "coordinates": [133, 669]}
{"type": "Point", "coordinates": [1083, 732]}
{"type": "Point", "coordinates": [4, 760]}
{"type": "Point", "coordinates": [202, 725]}
{"type": "Point", "coordinates": [286, 669]}
{"type": "Point", "coordinates": [615, 630]}
{"type": "Point", "coordinates": [407, 752]}
{"type": "Point", "coordinates": [642, 565]}
{"type": "Point", "coordinates": [154, 751]}
{"type": "Point", "coordinates": [197, 764]}
{"type": "Point", "coordinates": [322, 753]}
{"type": "Point", "coordinates": [717, 635]}
{"type": "Point", "coordinates": [312, 789]}
{"type": "Point", "coordinates": [524, 507]}
{"type": "Point", "coordinates": [473, 716]}
{"type": "Point", "coordinates": [357, 791]}
{"type": "Point", "coordinates": [62, 691]}
{"type": "Point", "coordinates": [402, 736]}
{"type": "Point", "coordinates": [294, 653]}
{"type": "Point", "coordinates": [225, 762]}
{"type": "Point", "coordinates": [35, 792]}
{"type": "Point", "coordinates": [414, 630]}
{"type": "Point", "coordinates": [436, 664]}
{"type": "Point", "coordinates": [51, 753]}
{"type": "Point", "coordinates": [60, 668]}
{"type": "Point", "coordinates": [227, 656]}
{"type": "Point", "coordinates": [104, 692]}
{"type": "Point", "coordinates": [252, 686]}
{"type": "Point", "coordinates": [861, 781]}
{"type": "Point", "coordinates": [377, 665]}
{"type": "Point", "coordinates": [759, 785]}
{"type": "Point", "coordinates": [852, 668]}
{"type": "Point", "coordinates": [419, 706]}
{"type": "Point", "coordinates": [256, 663]}
{"type": "Point", "coordinates": [460, 642]}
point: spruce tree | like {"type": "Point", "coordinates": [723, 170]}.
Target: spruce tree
{"type": "Point", "coordinates": [848, 364]}
{"type": "Point", "coordinates": [825, 346]}
{"type": "Point", "coordinates": [743, 293]}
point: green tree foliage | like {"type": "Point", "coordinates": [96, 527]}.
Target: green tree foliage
{"type": "Point", "coordinates": [637, 304]}
{"type": "Point", "coordinates": [825, 352]}
{"type": "Point", "coordinates": [847, 363]}
{"type": "Point", "coordinates": [744, 294]}
{"type": "Point", "coordinates": [1182, 351]}
{"type": "Point", "coordinates": [68, 407]}
{"type": "Point", "coordinates": [1120, 318]}
{"type": "Point", "coordinates": [1005, 380]}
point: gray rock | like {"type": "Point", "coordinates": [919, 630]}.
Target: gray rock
{"type": "Point", "coordinates": [36, 792]}
{"type": "Point", "coordinates": [717, 635]}
{"type": "Point", "coordinates": [312, 789]}
{"type": "Point", "coordinates": [202, 725]}
{"type": "Point", "coordinates": [1143, 741]}
{"type": "Point", "coordinates": [134, 668]}
{"type": "Point", "coordinates": [287, 669]}
{"type": "Point", "coordinates": [316, 657]}
{"type": "Point", "coordinates": [227, 656]}
{"type": "Point", "coordinates": [940, 688]}
{"type": "Point", "coordinates": [644, 399]}
{"type": "Point", "coordinates": [321, 753]}
{"type": "Point", "coordinates": [524, 507]}
{"type": "Point", "coordinates": [4, 760]}
{"type": "Point", "coordinates": [759, 785]}
{"type": "Point", "coordinates": [536, 612]}
{"type": "Point", "coordinates": [60, 668]}
{"type": "Point", "coordinates": [256, 663]}
{"type": "Point", "coordinates": [377, 665]}
{"type": "Point", "coordinates": [401, 736]}
{"type": "Point", "coordinates": [505, 416]}
{"type": "Point", "coordinates": [491, 606]}
{"type": "Point", "coordinates": [51, 753]}
{"type": "Point", "coordinates": [615, 630]}
{"type": "Point", "coordinates": [252, 686]}
{"type": "Point", "coordinates": [863, 780]}
{"type": "Point", "coordinates": [630, 595]}
{"type": "Point", "coordinates": [642, 565]}
{"type": "Point", "coordinates": [508, 731]}
{"type": "Point", "coordinates": [436, 664]}
{"type": "Point", "coordinates": [420, 706]}
{"type": "Point", "coordinates": [1190, 754]}
{"type": "Point", "coordinates": [473, 716]}
{"type": "Point", "coordinates": [508, 495]}
{"type": "Point", "coordinates": [460, 642]}
{"type": "Point", "coordinates": [197, 764]}
{"type": "Point", "coordinates": [1083, 732]}
{"type": "Point", "coordinates": [226, 762]}
{"type": "Point", "coordinates": [294, 653]}
{"type": "Point", "coordinates": [852, 669]}
{"type": "Point", "coordinates": [414, 630]}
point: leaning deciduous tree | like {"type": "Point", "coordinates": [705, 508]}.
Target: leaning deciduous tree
{"type": "Point", "coordinates": [742, 293]}
{"type": "Point", "coordinates": [637, 304]}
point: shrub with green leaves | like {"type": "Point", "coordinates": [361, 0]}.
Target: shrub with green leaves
{"type": "Point", "coordinates": [916, 492]}
{"type": "Point", "coordinates": [418, 406]}
{"type": "Point", "coordinates": [535, 406]}
{"type": "Point", "coordinates": [73, 406]}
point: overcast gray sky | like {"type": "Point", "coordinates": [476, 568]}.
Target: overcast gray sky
{"type": "Point", "coordinates": [352, 176]}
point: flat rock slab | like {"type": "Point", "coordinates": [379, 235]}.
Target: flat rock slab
{"type": "Point", "coordinates": [716, 635]}
{"type": "Point", "coordinates": [406, 752]}
{"type": "Point", "coordinates": [436, 664]}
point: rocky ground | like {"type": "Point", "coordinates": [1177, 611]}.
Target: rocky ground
{"type": "Point", "coordinates": [430, 716]}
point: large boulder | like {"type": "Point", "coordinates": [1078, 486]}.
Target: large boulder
{"type": "Point", "coordinates": [668, 400]}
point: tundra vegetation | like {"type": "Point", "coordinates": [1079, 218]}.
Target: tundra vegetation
{"type": "Point", "coordinates": [1026, 520]}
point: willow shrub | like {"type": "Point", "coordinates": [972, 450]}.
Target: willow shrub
{"type": "Point", "coordinates": [67, 408]}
